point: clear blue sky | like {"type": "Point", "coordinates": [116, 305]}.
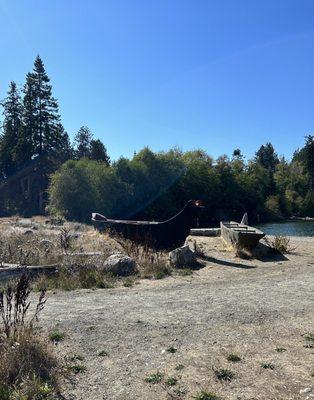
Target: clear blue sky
{"type": "Point", "coordinates": [215, 74]}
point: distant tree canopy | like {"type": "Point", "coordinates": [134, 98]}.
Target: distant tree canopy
{"type": "Point", "coordinates": [156, 185]}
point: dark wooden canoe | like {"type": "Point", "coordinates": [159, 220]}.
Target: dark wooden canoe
{"type": "Point", "coordinates": [160, 235]}
{"type": "Point", "coordinates": [240, 235]}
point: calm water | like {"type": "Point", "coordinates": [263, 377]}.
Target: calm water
{"type": "Point", "coordinates": [293, 228]}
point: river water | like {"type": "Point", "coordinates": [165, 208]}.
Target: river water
{"type": "Point", "coordinates": [291, 228]}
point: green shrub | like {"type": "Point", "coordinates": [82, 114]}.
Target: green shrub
{"type": "Point", "coordinates": [204, 395]}
{"type": "Point", "coordinates": [224, 374]}
{"type": "Point", "coordinates": [154, 378]}
{"type": "Point", "coordinates": [77, 368]}
{"type": "Point", "coordinates": [171, 381]}
{"type": "Point", "coordinates": [267, 365]}
{"type": "Point", "coordinates": [56, 336]}
{"type": "Point", "coordinates": [233, 358]}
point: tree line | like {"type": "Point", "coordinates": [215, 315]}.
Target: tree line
{"type": "Point", "coordinates": [156, 185]}
{"type": "Point", "coordinates": [79, 178]}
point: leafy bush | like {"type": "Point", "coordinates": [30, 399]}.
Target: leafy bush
{"type": "Point", "coordinates": [80, 187]}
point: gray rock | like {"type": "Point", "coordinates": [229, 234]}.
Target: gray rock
{"type": "Point", "coordinates": [75, 235]}
{"type": "Point", "coordinates": [306, 390]}
{"type": "Point", "coordinates": [28, 232]}
{"type": "Point", "coordinates": [182, 257]}
{"type": "Point", "coordinates": [120, 265]}
{"type": "Point", "coordinates": [46, 244]}
{"type": "Point", "coordinates": [24, 222]}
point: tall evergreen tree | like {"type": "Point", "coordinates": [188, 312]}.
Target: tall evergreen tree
{"type": "Point", "coordinates": [82, 142]}
{"type": "Point", "coordinates": [41, 112]}
{"type": "Point", "coordinates": [11, 156]}
{"type": "Point", "coordinates": [98, 151]}
{"type": "Point", "coordinates": [87, 147]}
{"type": "Point", "coordinates": [267, 157]}
{"type": "Point", "coordinates": [309, 159]}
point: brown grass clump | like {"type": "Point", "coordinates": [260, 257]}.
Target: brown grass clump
{"type": "Point", "coordinates": [44, 244]}
{"type": "Point", "coordinates": [280, 244]}
{"type": "Point", "coordinates": [27, 368]}
{"type": "Point", "coordinates": [29, 249]}
{"type": "Point", "coordinates": [75, 277]}
{"type": "Point", "coordinates": [151, 263]}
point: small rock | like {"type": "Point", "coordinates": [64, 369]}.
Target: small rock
{"type": "Point", "coordinates": [120, 265]}
{"type": "Point", "coordinates": [306, 390]}
{"type": "Point", "coordinates": [75, 235]}
{"type": "Point", "coordinates": [182, 257]}
{"type": "Point", "coordinates": [45, 243]}
{"type": "Point", "coordinates": [28, 232]}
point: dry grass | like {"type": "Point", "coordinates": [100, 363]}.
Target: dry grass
{"type": "Point", "coordinates": [280, 244]}
{"type": "Point", "coordinates": [75, 277]}
{"type": "Point", "coordinates": [151, 263]}
{"type": "Point", "coordinates": [36, 242]}
{"type": "Point", "coordinates": [28, 370]}
{"type": "Point", "coordinates": [78, 250]}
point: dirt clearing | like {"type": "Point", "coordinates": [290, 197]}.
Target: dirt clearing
{"type": "Point", "coordinates": [186, 327]}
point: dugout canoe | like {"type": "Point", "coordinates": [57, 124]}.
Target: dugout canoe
{"type": "Point", "coordinates": [240, 235]}
{"type": "Point", "coordinates": [160, 235]}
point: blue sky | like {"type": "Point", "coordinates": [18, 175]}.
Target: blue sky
{"type": "Point", "coordinates": [211, 74]}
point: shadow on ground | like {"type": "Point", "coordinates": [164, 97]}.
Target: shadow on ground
{"type": "Point", "coordinates": [265, 253]}
{"type": "Point", "coordinates": [227, 263]}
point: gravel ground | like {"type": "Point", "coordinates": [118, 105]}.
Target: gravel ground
{"type": "Point", "coordinates": [245, 307]}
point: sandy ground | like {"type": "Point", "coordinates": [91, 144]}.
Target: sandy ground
{"type": "Point", "coordinates": [246, 307]}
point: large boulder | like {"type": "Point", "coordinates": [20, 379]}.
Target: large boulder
{"type": "Point", "coordinates": [120, 265]}
{"type": "Point", "coordinates": [182, 257]}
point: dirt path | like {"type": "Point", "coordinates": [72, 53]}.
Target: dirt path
{"type": "Point", "coordinates": [249, 308]}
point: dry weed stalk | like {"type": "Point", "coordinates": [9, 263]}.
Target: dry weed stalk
{"type": "Point", "coordinates": [65, 239]}
{"type": "Point", "coordinates": [14, 304]}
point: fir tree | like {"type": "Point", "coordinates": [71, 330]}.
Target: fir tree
{"type": "Point", "coordinates": [309, 159]}
{"type": "Point", "coordinates": [41, 112]}
{"type": "Point", "coordinates": [98, 151]}
{"type": "Point", "coordinates": [11, 156]}
{"type": "Point", "coordinates": [267, 157]}
{"type": "Point", "coordinates": [82, 141]}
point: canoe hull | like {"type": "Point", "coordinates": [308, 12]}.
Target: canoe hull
{"type": "Point", "coordinates": [158, 235]}
{"type": "Point", "coordinates": [240, 235]}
